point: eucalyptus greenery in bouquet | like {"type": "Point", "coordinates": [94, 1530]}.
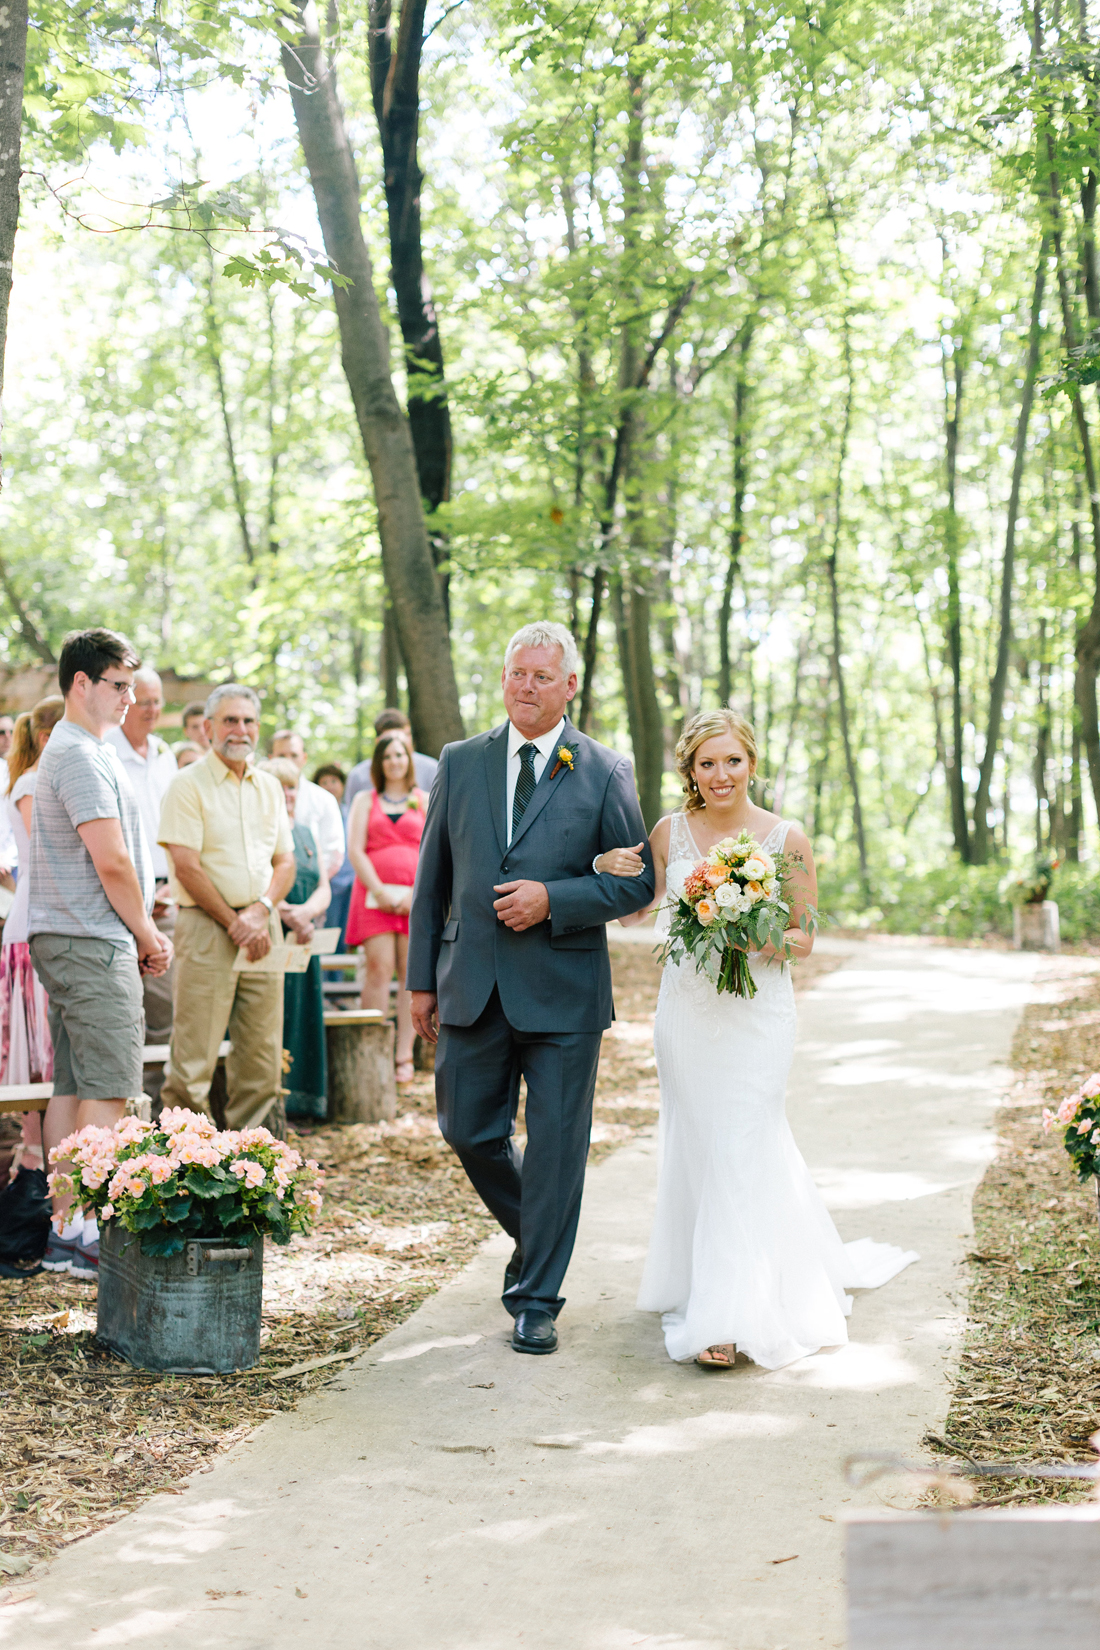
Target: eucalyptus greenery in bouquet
{"type": "Point", "coordinates": [185, 1178]}
{"type": "Point", "coordinates": [735, 900]}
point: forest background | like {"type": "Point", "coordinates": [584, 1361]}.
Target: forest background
{"type": "Point", "coordinates": [757, 343]}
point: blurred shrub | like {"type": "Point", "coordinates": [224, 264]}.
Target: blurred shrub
{"type": "Point", "coordinates": [957, 902]}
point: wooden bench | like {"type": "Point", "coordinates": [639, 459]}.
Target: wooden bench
{"type": "Point", "coordinates": [361, 1086]}
{"type": "Point", "coordinates": [36, 1096]}
{"type": "Point", "coordinates": [997, 1578]}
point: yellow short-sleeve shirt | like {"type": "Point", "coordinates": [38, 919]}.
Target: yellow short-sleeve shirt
{"type": "Point", "coordinates": [237, 825]}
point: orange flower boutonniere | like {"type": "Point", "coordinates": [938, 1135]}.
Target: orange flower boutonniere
{"type": "Point", "coordinates": [566, 755]}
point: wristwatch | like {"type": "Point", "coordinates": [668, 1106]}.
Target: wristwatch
{"type": "Point", "coordinates": [263, 900]}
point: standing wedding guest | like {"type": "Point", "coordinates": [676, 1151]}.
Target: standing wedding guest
{"type": "Point", "coordinates": [151, 767]}
{"type": "Point", "coordinates": [317, 807]}
{"type": "Point", "coordinates": [333, 779]}
{"type": "Point", "coordinates": [91, 892]}
{"type": "Point", "coordinates": [508, 958]}
{"type": "Point", "coordinates": [305, 1062]}
{"type": "Point", "coordinates": [8, 848]}
{"type": "Point", "coordinates": [231, 860]}
{"type": "Point", "coordinates": [186, 754]}
{"type": "Point", "coordinates": [424, 767]}
{"type": "Point", "coordinates": [194, 725]}
{"type": "Point", "coordinates": [26, 1052]}
{"type": "Point", "coordinates": [385, 825]}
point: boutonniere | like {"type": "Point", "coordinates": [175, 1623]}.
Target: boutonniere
{"type": "Point", "coordinates": [565, 755]}
{"type": "Point", "coordinates": [414, 800]}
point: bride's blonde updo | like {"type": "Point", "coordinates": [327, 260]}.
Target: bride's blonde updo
{"type": "Point", "coordinates": [709, 724]}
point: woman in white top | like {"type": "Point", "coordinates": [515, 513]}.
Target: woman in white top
{"type": "Point", "coordinates": [26, 1053]}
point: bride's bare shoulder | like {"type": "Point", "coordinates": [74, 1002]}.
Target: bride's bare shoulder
{"type": "Point", "coordinates": [660, 833]}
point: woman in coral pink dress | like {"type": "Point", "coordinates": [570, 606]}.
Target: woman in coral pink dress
{"type": "Point", "coordinates": [384, 831]}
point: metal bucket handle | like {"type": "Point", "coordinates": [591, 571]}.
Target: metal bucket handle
{"type": "Point", "coordinates": [198, 1251]}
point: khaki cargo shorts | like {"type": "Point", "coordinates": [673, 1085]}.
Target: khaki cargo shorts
{"type": "Point", "coordinates": [97, 1020]}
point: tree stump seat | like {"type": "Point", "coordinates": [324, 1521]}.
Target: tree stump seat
{"type": "Point", "coordinates": [361, 1085]}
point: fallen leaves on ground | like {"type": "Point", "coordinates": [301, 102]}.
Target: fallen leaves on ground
{"type": "Point", "coordinates": [1028, 1387]}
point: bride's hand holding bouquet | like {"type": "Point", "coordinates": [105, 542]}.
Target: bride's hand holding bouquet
{"type": "Point", "coordinates": [734, 901]}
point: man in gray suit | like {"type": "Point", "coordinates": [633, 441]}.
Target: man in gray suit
{"type": "Point", "coordinates": [508, 957]}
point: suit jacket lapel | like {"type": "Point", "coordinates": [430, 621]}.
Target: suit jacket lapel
{"type": "Point", "coordinates": [545, 787]}
{"type": "Point", "coordinates": [496, 778]}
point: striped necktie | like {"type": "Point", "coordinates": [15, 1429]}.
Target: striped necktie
{"type": "Point", "coordinates": [525, 784]}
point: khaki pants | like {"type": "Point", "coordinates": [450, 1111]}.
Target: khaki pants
{"type": "Point", "coordinates": [208, 998]}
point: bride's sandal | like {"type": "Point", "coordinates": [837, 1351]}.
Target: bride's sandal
{"type": "Point", "coordinates": [718, 1357]}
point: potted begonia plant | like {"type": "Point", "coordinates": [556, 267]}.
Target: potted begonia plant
{"type": "Point", "coordinates": [183, 1209]}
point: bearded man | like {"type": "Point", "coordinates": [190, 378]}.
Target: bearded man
{"type": "Point", "coordinates": [231, 860]}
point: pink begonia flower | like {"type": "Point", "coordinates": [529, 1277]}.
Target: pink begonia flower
{"type": "Point", "coordinates": [160, 1171]}
{"type": "Point", "coordinates": [1095, 1137]}
{"type": "Point", "coordinates": [1090, 1088]}
{"type": "Point", "coordinates": [135, 1187]}
{"type": "Point", "coordinates": [107, 1211]}
{"type": "Point", "coordinates": [1068, 1109]}
{"type": "Point", "coordinates": [1049, 1119]}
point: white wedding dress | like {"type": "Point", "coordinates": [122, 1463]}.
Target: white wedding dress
{"type": "Point", "coordinates": [743, 1249]}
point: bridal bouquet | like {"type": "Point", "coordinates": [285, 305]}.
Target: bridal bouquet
{"type": "Point", "coordinates": [733, 901]}
{"type": "Point", "coordinates": [1079, 1118]}
{"type": "Point", "coordinates": [185, 1178]}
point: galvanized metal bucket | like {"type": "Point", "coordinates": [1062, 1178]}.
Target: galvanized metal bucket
{"type": "Point", "coordinates": [197, 1313]}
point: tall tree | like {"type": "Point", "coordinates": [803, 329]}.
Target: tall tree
{"type": "Point", "coordinates": [13, 56]}
{"type": "Point", "coordinates": [980, 842]}
{"type": "Point", "coordinates": [395, 92]}
{"type": "Point", "coordinates": [418, 608]}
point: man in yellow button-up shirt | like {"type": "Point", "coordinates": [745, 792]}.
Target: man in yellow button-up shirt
{"type": "Point", "coordinates": [231, 860]}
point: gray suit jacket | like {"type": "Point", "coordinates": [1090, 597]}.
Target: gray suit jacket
{"type": "Point", "coordinates": [557, 975]}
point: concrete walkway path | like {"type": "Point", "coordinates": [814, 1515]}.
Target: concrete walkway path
{"type": "Point", "coordinates": [444, 1492]}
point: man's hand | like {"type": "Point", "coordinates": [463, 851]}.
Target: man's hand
{"type": "Point", "coordinates": [424, 1015]}
{"type": "Point", "coordinates": [155, 953]}
{"type": "Point", "coordinates": [250, 930]}
{"type": "Point", "coordinates": [522, 904]}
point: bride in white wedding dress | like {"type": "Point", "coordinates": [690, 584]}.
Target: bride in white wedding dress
{"type": "Point", "coordinates": [743, 1255]}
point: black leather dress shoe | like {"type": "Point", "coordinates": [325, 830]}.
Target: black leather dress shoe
{"type": "Point", "coordinates": [513, 1269]}
{"type": "Point", "coordinates": [534, 1332]}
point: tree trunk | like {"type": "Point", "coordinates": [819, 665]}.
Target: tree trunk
{"type": "Point", "coordinates": [13, 56]}
{"type": "Point", "coordinates": [980, 844]}
{"type": "Point", "coordinates": [591, 653]}
{"type": "Point", "coordinates": [631, 606]}
{"type": "Point", "coordinates": [395, 90]}
{"type": "Point", "coordinates": [418, 608]}
{"type": "Point", "coordinates": [737, 526]}
{"type": "Point", "coordinates": [832, 573]}
{"type": "Point", "coordinates": [391, 659]}
{"type": "Point", "coordinates": [953, 395]}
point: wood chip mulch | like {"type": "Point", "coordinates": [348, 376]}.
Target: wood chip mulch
{"type": "Point", "coordinates": [84, 1437]}
{"type": "Point", "coordinates": [1028, 1387]}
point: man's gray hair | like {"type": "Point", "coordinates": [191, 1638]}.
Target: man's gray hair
{"type": "Point", "coordinates": [146, 673]}
{"type": "Point", "coordinates": [545, 633]}
{"type": "Point", "coordinates": [232, 690]}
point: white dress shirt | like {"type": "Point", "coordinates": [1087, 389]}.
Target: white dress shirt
{"type": "Point", "coordinates": [544, 745]}
{"type": "Point", "coordinates": [320, 810]}
{"type": "Point", "coordinates": [150, 777]}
